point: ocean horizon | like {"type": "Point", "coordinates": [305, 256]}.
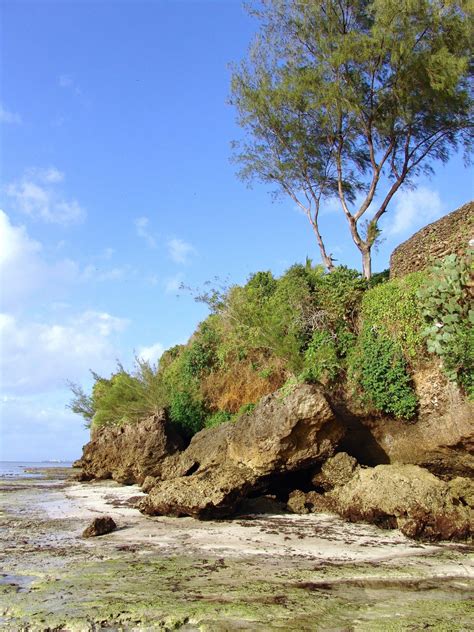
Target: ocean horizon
{"type": "Point", "coordinates": [17, 469]}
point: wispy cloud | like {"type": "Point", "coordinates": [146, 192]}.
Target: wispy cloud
{"type": "Point", "coordinates": [36, 195]}
{"type": "Point", "coordinates": [142, 229]}
{"type": "Point", "coordinates": [412, 209]}
{"type": "Point", "coordinates": [180, 251]}
{"type": "Point", "coordinates": [10, 118]}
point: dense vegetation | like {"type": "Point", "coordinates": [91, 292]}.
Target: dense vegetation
{"type": "Point", "coordinates": [355, 337]}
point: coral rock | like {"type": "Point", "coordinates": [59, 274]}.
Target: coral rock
{"type": "Point", "coordinates": [99, 526]}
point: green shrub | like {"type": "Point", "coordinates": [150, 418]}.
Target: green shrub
{"type": "Point", "coordinates": [186, 413]}
{"type": "Point", "coordinates": [446, 301]}
{"type": "Point", "coordinates": [122, 398]}
{"type": "Point", "coordinates": [264, 314]}
{"type": "Point", "coordinates": [340, 294]}
{"type": "Point", "coordinates": [389, 342]}
{"type": "Point", "coordinates": [245, 409]}
{"type": "Point", "coordinates": [392, 309]}
{"type": "Point", "coordinates": [282, 315]}
{"type": "Point", "coordinates": [321, 360]}
{"type": "Point", "coordinates": [379, 277]}
{"type": "Point", "coordinates": [378, 364]}
{"type": "Point", "coordinates": [200, 355]}
{"type": "Point", "coordinates": [218, 418]}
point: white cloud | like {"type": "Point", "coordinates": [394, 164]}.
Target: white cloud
{"type": "Point", "coordinates": [151, 354]}
{"type": "Point", "coordinates": [40, 427]}
{"type": "Point", "coordinates": [412, 209]}
{"type": "Point", "coordinates": [23, 270]}
{"type": "Point", "coordinates": [39, 356]}
{"type": "Point", "coordinates": [180, 251]}
{"type": "Point", "coordinates": [142, 228]}
{"type": "Point", "coordinates": [36, 195]}
{"type": "Point", "coordinates": [11, 118]}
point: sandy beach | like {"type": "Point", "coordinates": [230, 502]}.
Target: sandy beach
{"type": "Point", "coordinates": [256, 572]}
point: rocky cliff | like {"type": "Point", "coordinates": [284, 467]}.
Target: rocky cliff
{"type": "Point", "coordinates": [285, 447]}
{"type": "Point", "coordinates": [450, 234]}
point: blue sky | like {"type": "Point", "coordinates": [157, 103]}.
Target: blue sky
{"type": "Point", "coordinates": [117, 187]}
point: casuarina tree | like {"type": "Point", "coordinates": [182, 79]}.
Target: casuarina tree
{"type": "Point", "coordinates": [352, 99]}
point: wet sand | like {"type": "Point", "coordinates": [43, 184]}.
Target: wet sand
{"type": "Point", "coordinates": [255, 572]}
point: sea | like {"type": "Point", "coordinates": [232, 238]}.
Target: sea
{"type": "Point", "coordinates": [19, 469]}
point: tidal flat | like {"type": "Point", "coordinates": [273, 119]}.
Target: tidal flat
{"type": "Point", "coordinates": [254, 572]}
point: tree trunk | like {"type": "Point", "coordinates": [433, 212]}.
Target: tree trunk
{"type": "Point", "coordinates": [327, 259]}
{"type": "Point", "coordinates": [367, 263]}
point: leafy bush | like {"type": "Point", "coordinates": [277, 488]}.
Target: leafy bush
{"type": "Point", "coordinates": [200, 354]}
{"type": "Point", "coordinates": [321, 361]}
{"type": "Point", "coordinates": [264, 315]}
{"type": "Point", "coordinates": [216, 419]}
{"type": "Point", "coordinates": [186, 413]}
{"type": "Point", "coordinates": [379, 277]}
{"type": "Point", "coordinates": [389, 342]}
{"type": "Point", "coordinates": [340, 294]}
{"type": "Point", "coordinates": [447, 301]}
{"type": "Point", "coordinates": [282, 315]}
{"type": "Point", "coordinates": [380, 367]}
{"type": "Point", "coordinates": [392, 309]}
{"type": "Point", "coordinates": [117, 400]}
{"type": "Point", "coordinates": [122, 398]}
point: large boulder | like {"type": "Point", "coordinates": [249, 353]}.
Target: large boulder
{"type": "Point", "coordinates": [410, 498]}
{"type": "Point", "coordinates": [130, 453]}
{"type": "Point", "coordinates": [211, 493]}
{"type": "Point", "coordinates": [222, 465]}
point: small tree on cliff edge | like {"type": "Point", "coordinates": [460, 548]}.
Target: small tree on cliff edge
{"type": "Point", "coordinates": [352, 99]}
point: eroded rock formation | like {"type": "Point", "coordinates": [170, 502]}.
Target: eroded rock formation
{"type": "Point", "coordinates": [223, 464]}
{"type": "Point", "coordinates": [407, 497]}
{"type": "Point", "coordinates": [129, 453]}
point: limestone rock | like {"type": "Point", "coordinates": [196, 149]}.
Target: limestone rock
{"type": "Point", "coordinates": [223, 464]}
{"type": "Point", "coordinates": [149, 483]}
{"type": "Point", "coordinates": [462, 489]}
{"type": "Point", "coordinates": [404, 496]}
{"type": "Point", "coordinates": [130, 453]}
{"type": "Point", "coordinates": [441, 439]}
{"type": "Point", "coordinates": [212, 493]}
{"type": "Point", "coordinates": [338, 470]}
{"type": "Point", "coordinates": [310, 502]}
{"type": "Point", "coordinates": [99, 526]}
